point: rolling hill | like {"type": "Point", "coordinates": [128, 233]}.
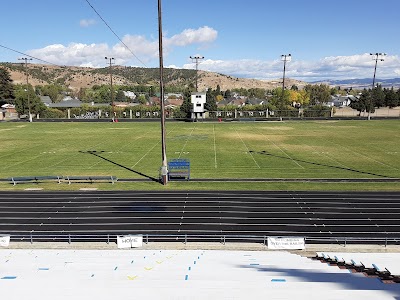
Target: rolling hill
{"type": "Point", "coordinates": [81, 77]}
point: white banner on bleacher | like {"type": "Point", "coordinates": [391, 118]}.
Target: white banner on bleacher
{"type": "Point", "coordinates": [130, 241]}
{"type": "Point", "coordinates": [281, 243]}
{"type": "Point", "coordinates": [4, 241]}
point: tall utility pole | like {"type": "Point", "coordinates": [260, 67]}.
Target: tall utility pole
{"type": "Point", "coordinates": [164, 167]}
{"type": "Point", "coordinates": [196, 59]}
{"type": "Point", "coordinates": [27, 85]}
{"type": "Point", "coordinates": [111, 86]}
{"type": "Point", "coordinates": [285, 58]}
{"type": "Point", "coordinates": [376, 57]}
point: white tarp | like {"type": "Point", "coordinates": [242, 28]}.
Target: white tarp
{"type": "Point", "coordinates": [130, 241]}
{"type": "Point", "coordinates": [4, 241]}
{"type": "Point", "coordinates": [286, 243]}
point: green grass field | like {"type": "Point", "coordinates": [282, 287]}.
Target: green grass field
{"type": "Point", "coordinates": [306, 149]}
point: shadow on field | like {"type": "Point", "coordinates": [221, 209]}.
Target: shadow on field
{"type": "Point", "coordinates": [319, 164]}
{"type": "Point", "coordinates": [97, 154]}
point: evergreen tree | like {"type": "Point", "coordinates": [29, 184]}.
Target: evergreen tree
{"type": "Point", "coordinates": [378, 96]}
{"type": "Point", "coordinates": [6, 86]}
{"type": "Point", "coordinates": [391, 98]}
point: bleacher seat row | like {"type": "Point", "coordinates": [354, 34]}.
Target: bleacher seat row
{"type": "Point", "coordinates": [353, 262]}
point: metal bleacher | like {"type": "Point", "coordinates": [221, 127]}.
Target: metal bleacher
{"type": "Point", "coordinates": [385, 266]}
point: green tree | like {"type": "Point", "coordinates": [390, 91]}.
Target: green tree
{"type": "Point", "coordinates": [6, 86]}
{"type": "Point", "coordinates": [141, 99]}
{"type": "Point", "coordinates": [23, 104]}
{"type": "Point", "coordinates": [120, 97]}
{"type": "Point", "coordinates": [54, 91]}
{"type": "Point", "coordinates": [391, 98]}
{"type": "Point", "coordinates": [319, 94]}
{"type": "Point", "coordinates": [378, 96]}
{"type": "Point", "coordinates": [364, 103]}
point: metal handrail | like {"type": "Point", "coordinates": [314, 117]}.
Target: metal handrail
{"type": "Point", "coordinates": [184, 238]}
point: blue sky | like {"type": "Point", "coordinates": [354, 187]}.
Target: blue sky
{"type": "Point", "coordinates": [327, 39]}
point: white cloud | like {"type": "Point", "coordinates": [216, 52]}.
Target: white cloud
{"type": "Point", "coordinates": [74, 54]}
{"type": "Point", "coordinates": [202, 35]}
{"type": "Point", "coordinates": [87, 22]}
{"type": "Point", "coordinates": [144, 50]}
{"type": "Point", "coordinates": [333, 67]}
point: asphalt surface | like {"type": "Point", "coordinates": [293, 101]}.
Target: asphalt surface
{"type": "Point", "coordinates": [206, 216]}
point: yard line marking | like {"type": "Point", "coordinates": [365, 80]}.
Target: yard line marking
{"type": "Point", "coordinates": [187, 140]}
{"type": "Point", "coordinates": [215, 149]}
{"type": "Point", "coordinates": [292, 159]}
{"type": "Point", "coordinates": [145, 154]}
{"type": "Point", "coordinates": [148, 151]}
{"type": "Point", "coordinates": [248, 150]}
{"type": "Point", "coordinates": [360, 154]}
{"type": "Point", "coordinates": [324, 154]}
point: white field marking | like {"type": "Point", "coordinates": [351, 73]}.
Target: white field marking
{"type": "Point", "coordinates": [14, 153]}
{"type": "Point", "coordinates": [187, 140]}
{"type": "Point", "coordinates": [323, 153]}
{"type": "Point", "coordinates": [124, 146]}
{"type": "Point", "coordinates": [248, 150]}
{"type": "Point", "coordinates": [72, 156]}
{"type": "Point", "coordinates": [145, 154]}
{"type": "Point", "coordinates": [360, 154]}
{"type": "Point", "coordinates": [215, 149]}
{"type": "Point", "coordinates": [356, 153]}
{"type": "Point", "coordinates": [280, 149]}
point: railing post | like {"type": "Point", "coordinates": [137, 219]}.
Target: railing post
{"type": "Point", "coordinates": [385, 242]}
{"type": "Point", "coordinates": [345, 241]}
{"type": "Point", "coordinates": [31, 238]}
{"type": "Point", "coordinates": [108, 239]}
{"type": "Point", "coordinates": [69, 238]}
{"type": "Point", "coordinates": [147, 239]}
{"type": "Point", "coordinates": [185, 239]}
{"type": "Point", "coordinates": [265, 240]}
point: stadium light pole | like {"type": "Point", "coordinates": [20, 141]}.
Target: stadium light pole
{"type": "Point", "coordinates": [376, 57]}
{"type": "Point", "coordinates": [27, 85]}
{"type": "Point", "coordinates": [285, 58]}
{"type": "Point", "coordinates": [111, 86]}
{"type": "Point", "coordinates": [164, 167]}
{"type": "Point", "coordinates": [196, 59]}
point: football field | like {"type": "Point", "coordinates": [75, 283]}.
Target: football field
{"type": "Point", "coordinates": [297, 149]}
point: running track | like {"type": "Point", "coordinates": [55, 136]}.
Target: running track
{"type": "Point", "coordinates": [205, 215]}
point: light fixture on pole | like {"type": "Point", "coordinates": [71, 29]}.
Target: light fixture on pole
{"type": "Point", "coordinates": [196, 59]}
{"type": "Point", "coordinates": [285, 58]}
{"type": "Point", "coordinates": [164, 167]}
{"type": "Point", "coordinates": [376, 57]}
{"type": "Point", "coordinates": [27, 85]}
{"type": "Point", "coordinates": [111, 86]}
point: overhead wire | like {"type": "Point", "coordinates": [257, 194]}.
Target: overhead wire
{"type": "Point", "coordinates": [36, 58]}
{"type": "Point", "coordinates": [109, 27]}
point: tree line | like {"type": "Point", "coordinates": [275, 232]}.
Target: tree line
{"type": "Point", "coordinates": [310, 97]}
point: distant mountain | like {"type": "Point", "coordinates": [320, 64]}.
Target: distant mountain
{"type": "Point", "coordinates": [76, 78]}
{"type": "Point", "coordinates": [361, 83]}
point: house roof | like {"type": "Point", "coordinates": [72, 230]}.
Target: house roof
{"type": "Point", "coordinates": [66, 104]}
{"type": "Point", "coordinates": [45, 99]}
{"type": "Point", "coordinates": [8, 106]}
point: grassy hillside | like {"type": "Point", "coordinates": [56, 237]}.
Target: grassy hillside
{"type": "Point", "coordinates": [79, 77]}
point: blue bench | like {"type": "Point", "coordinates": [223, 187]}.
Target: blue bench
{"type": "Point", "coordinates": [179, 169]}
{"type": "Point", "coordinates": [36, 179]}
{"type": "Point", "coordinates": [91, 179]}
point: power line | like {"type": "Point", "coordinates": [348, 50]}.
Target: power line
{"type": "Point", "coordinates": [109, 27]}
{"type": "Point", "coordinates": [42, 60]}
